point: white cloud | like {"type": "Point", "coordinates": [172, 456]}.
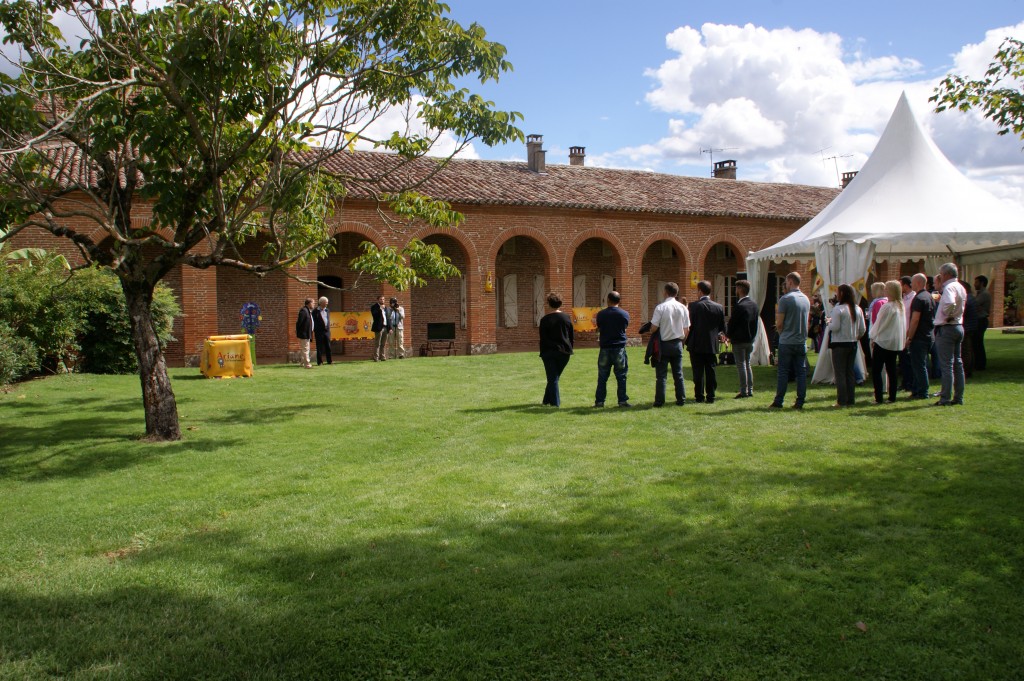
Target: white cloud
{"type": "Point", "coordinates": [779, 96]}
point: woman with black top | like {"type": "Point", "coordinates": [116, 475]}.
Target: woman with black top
{"type": "Point", "coordinates": [556, 341]}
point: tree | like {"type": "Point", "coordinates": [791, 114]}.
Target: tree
{"type": "Point", "coordinates": [999, 95]}
{"type": "Point", "coordinates": [222, 118]}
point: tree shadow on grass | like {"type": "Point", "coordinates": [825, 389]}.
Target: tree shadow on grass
{"type": "Point", "coordinates": [76, 448]}
{"type": "Point", "coordinates": [899, 565]}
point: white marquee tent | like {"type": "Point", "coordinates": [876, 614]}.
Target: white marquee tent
{"type": "Point", "coordinates": [907, 203]}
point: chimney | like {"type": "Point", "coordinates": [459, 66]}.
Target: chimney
{"type": "Point", "coordinates": [576, 155]}
{"type": "Point", "coordinates": [848, 178]}
{"type": "Point", "coordinates": [534, 153]}
{"type": "Point", "coordinates": [725, 170]}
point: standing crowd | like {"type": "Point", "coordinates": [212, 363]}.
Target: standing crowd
{"type": "Point", "coordinates": [905, 326]}
{"type": "Point", "coordinates": [908, 334]}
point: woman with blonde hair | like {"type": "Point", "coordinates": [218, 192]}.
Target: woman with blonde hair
{"type": "Point", "coordinates": [888, 338]}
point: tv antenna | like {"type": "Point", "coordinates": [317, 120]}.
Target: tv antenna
{"type": "Point", "coordinates": [835, 161]}
{"type": "Point", "coordinates": [711, 153]}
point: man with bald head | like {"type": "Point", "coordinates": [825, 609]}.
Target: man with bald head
{"type": "Point", "coordinates": [949, 334]}
{"type": "Point", "coordinates": [919, 334]}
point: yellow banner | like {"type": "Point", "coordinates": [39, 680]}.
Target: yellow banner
{"type": "Point", "coordinates": [585, 318]}
{"type": "Point", "coordinates": [226, 357]}
{"type": "Point", "coordinates": [351, 325]}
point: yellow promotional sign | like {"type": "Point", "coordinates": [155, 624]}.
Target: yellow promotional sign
{"type": "Point", "coordinates": [351, 326]}
{"type": "Point", "coordinates": [585, 318]}
{"type": "Point", "coordinates": [226, 357]}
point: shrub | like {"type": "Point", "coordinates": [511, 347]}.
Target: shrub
{"type": "Point", "coordinates": [67, 322]}
{"type": "Point", "coordinates": [18, 356]}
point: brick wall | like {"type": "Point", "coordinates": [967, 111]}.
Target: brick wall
{"type": "Point", "coordinates": [556, 242]}
{"type": "Point", "coordinates": [235, 288]}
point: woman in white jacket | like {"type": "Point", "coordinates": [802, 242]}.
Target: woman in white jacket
{"type": "Point", "coordinates": [888, 337]}
{"type": "Point", "coordinates": [845, 327]}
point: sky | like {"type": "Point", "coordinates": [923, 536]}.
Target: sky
{"type": "Point", "coordinates": [794, 91]}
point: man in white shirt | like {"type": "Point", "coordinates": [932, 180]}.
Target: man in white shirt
{"type": "Point", "coordinates": [671, 320]}
{"type": "Point", "coordinates": [949, 335]}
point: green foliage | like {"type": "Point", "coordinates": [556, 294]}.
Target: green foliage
{"type": "Point", "coordinates": [1014, 288]}
{"type": "Point", "coordinates": [409, 267]}
{"type": "Point", "coordinates": [18, 356]}
{"type": "Point", "coordinates": [999, 95]}
{"type": "Point", "coordinates": [105, 335]}
{"type": "Point", "coordinates": [61, 321]}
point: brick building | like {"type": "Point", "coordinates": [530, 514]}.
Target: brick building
{"type": "Point", "coordinates": [529, 228]}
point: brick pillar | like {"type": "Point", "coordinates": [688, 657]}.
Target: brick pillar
{"type": "Point", "coordinates": [630, 283]}
{"type": "Point", "coordinates": [891, 271]}
{"type": "Point", "coordinates": [481, 308]}
{"type": "Point", "coordinates": [997, 289]}
{"type": "Point", "coordinates": [199, 309]}
{"type": "Point", "coordinates": [295, 292]}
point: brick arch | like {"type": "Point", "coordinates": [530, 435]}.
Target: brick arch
{"type": "Point", "coordinates": [530, 232]}
{"type": "Point", "coordinates": [351, 226]}
{"type": "Point", "coordinates": [458, 236]}
{"type": "Point", "coordinates": [98, 234]}
{"type": "Point", "coordinates": [596, 233]}
{"type": "Point", "coordinates": [654, 238]}
{"type": "Point", "coordinates": [721, 237]}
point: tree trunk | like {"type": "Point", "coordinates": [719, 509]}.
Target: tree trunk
{"type": "Point", "coordinates": [157, 394]}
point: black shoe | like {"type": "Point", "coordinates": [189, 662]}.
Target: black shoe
{"type": "Point", "coordinates": [699, 399]}
{"type": "Point", "coordinates": [625, 405]}
{"type": "Point", "coordinates": [798, 405]}
{"type": "Point", "coordinates": [940, 403]}
{"type": "Point", "coordinates": [599, 404]}
{"type": "Point", "coordinates": [740, 396]}
{"type": "Point", "coordinates": [710, 400]}
{"type": "Point", "coordinates": [657, 405]}
{"type": "Point", "coordinates": [775, 405]}
{"type": "Point", "coordinates": [680, 403]}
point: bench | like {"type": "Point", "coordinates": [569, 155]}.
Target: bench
{"type": "Point", "coordinates": [440, 340]}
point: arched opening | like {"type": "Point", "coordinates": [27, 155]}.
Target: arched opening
{"type": "Point", "coordinates": [520, 290]}
{"type": "Point", "coordinates": [662, 263]}
{"type": "Point", "coordinates": [596, 270]}
{"type": "Point", "coordinates": [442, 302]}
{"type": "Point", "coordinates": [722, 266]}
{"type": "Point", "coordinates": [346, 290]}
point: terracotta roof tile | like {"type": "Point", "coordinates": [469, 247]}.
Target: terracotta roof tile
{"type": "Point", "coordinates": [564, 186]}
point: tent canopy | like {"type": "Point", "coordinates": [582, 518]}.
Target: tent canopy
{"type": "Point", "coordinates": [908, 200]}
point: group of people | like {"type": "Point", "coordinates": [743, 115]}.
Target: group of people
{"type": "Point", "coordinates": [904, 322]}
{"type": "Point", "coordinates": [699, 327]}
{"type": "Point", "coordinates": [388, 327]}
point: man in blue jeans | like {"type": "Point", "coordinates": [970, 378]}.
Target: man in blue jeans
{"type": "Point", "coordinates": [791, 317]}
{"type": "Point", "coordinates": [611, 327]}
{"type": "Point", "coordinates": [919, 334]}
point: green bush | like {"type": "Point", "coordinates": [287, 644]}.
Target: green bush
{"type": "Point", "coordinates": [18, 356]}
{"type": "Point", "coordinates": [71, 322]}
{"type": "Point", "coordinates": [105, 337]}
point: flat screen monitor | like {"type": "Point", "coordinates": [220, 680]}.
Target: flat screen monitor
{"type": "Point", "coordinates": [441, 331]}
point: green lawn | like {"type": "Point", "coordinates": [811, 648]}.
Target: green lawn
{"type": "Point", "coordinates": [429, 519]}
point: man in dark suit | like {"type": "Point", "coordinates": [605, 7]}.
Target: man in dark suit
{"type": "Point", "coordinates": [742, 331]}
{"type": "Point", "coordinates": [380, 327]}
{"type": "Point", "coordinates": [322, 332]}
{"type": "Point", "coordinates": [304, 329]}
{"type": "Point", "coordinates": [707, 327]}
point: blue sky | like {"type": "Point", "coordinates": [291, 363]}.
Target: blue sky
{"type": "Point", "coordinates": [647, 84]}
